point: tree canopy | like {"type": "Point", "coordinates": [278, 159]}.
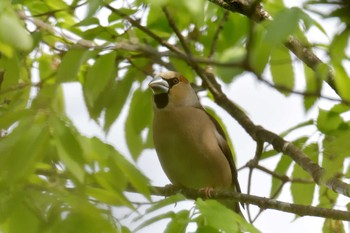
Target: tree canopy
{"type": "Point", "coordinates": [55, 179]}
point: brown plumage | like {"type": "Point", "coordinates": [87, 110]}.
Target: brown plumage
{"type": "Point", "coordinates": [190, 144]}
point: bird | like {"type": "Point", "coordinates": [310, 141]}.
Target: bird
{"type": "Point", "coordinates": [191, 145]}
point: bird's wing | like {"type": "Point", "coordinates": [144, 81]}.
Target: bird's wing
{"type": "Point", "coordinates": [222, 140]}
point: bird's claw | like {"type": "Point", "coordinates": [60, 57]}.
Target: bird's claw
{"type": "Point", "coordinates": [207, 192]}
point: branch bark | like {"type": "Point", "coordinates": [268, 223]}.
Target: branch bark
{"type": "Point", "coordinates": [258, 133]}
{"type": "Point", "coordinates": [264, 203]}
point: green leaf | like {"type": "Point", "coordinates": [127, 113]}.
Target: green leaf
{"type": "Point", "coordinates": [27, 143]}
{"type": "Point", "coordinates": [125, 230]}
{"type": "Point", "coordinates": [337, 52]}
{"type": "Point", "coordinates": [108, 197]}
{"type": "Point", "coordinates": [338, 46]}
{"type": "Point", "coordinates": [88, 22]}
{"type": "Point", "coordinates": [285, 23]}
{"type": "Point", "coordinates": [154, 219]}
{"type": "Point", "coordinates": [157, 22]}
{"type": "Point", "coordinates": [93, 6]}
{"type": "Point", "coordinates": [281, 169]}
{"type": "Point", "coordinates": [240, 24]}
{"type": "Point", "coordinates": [333, 226]}
{"type": "Point", "coordinates": [165, 202]}
{"type": "Point", "coordinates": [195, 9]}
{"type": "Point", "coordinates": [178, 222]}
{"type": "Point", "coordinates": [274, 7]}
{"type": "Point", "coordinates": [28, 218]}
{"type": "Point", "coordinates": [327, 197]}
{"type": "Point", "coordinates": [57, 4]}
{"type": "Point", "coordinates": [45, 66]}
{"type": "Point", "coordinates": [313, 85]}
{"type": "Point", "coordinates": [69, 149]}
{"type": "Point", "coordinates": [12, 66]}
{"type": "Point", "coordinates": [259, 51]}
{"type": "Point", "coordinates": [182, 67]}
{"type": "Point", "coordinates": [328, 121]}
{"type": "Point", "coordinates": [207, 229]}
{"type": "Point", "coordinates": [342, 81]}
{"type": "Point", "coordinates": [99, 76]}
{"type": "Point", "coordinates": [139, 118]}
{"type": "Point", "coordinates": [308, 21]}
{"type": "Point", "coordinates": [295, 127]}
{"type": "Point", "coordinates": [134, 176]}
{"type": "Point", "coordinates": [109, 176]}
{"type": "Point", "coordinates": [10, 117]}
{"type": "Point", "coordinates": [282, 70]}
{"type": "Point", "coordinates": [218, 216]}
{"type": "Point", "coordinates": [234, 55]}
{"type": "Point", "coordinates": [37, 7]}
{"type": "Point", "coordinates": [268, 154]}
{"type": "Point", "coordinates": [339, 108]}
{"type": "Point", "coordinates": [86, 218]}
{"type": "Point", "coordinates": [6, 49]}
{"type": "Point", "coordinates": [71, 63]}
{"type": "Point", "coordinates": [322, 71]}
{"type": "Point", "coordinates": [303, 193]}
{"type": "Point", "coordinates": [336, 150]}
{"type": "Point", "coordinates": [57, 102]}
{"type": "Point", "coordinates": [13, 33]}
{"type": "Point", "coordinates": [141, 114]}
{"type": "Point", "coordinates": [118, 94]}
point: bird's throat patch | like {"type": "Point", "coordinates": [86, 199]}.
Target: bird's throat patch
{"type": "Point", "coordinates": [161, 100]}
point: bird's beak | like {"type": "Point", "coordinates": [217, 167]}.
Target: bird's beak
{"type": "Point", "coordinates": [159, 85]}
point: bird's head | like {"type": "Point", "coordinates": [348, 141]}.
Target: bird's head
{"type": "Point", "coordinates": [171, 89]}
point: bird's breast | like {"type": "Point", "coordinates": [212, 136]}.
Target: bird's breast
{"type": "Point", "coordinates": [188, 150]}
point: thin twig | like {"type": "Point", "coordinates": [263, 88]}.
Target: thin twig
{"type": "Point", "coordinates": [177, 31]}
{"type": "Point", "coordinates": [283, 178]}
{"type": "Point", "coordinates": [272, 197]}
{"type": "Point", "coordinates": [148, 32]}
{"type": "Point", "coordinates": [49, 13]}
{"type": "Point", "coordinates": [303, 93]}
{"type": "Point", "coordinates": [147, 73]}
{"type": "Point", "coordinates": [23, 85]}
{"type": "Point", "coordinates": [254, 162]}
{"type": "Point", "coordinates": [217, 34]}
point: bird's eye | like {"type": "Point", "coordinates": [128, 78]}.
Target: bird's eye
{"type": "Point", "coordinates": [175, 80]}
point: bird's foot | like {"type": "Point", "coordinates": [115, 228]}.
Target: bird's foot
{"type": "Point", "coordinates": [207, 191]}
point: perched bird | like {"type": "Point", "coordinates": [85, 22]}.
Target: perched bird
{"type": "Point", "coordinates": [190, 144]}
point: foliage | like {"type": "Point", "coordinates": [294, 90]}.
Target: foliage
{"type": "Point", "coordinates": [53, 179]}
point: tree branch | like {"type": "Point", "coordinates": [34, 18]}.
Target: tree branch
{"type": "Point", "coordinates": [264, 203]}
{"type": "Point", "coordinates": [246, 7]}
{"type": "Point", "coordinates": [258, 133]}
